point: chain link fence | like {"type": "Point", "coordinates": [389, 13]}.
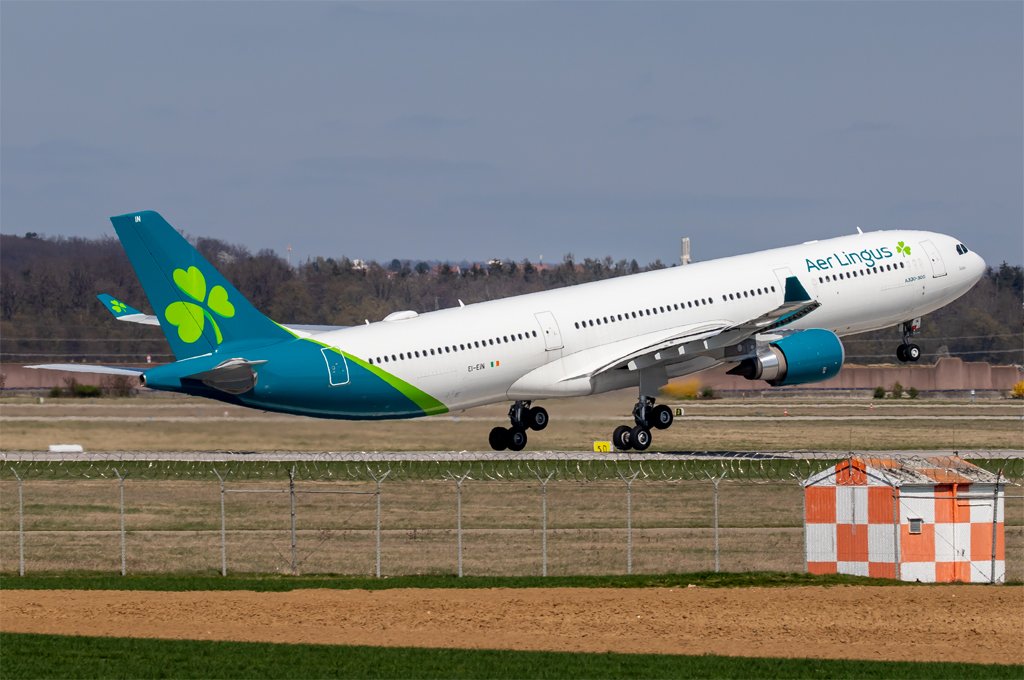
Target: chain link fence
{"type": "Point", "coordinates": [303, 514]}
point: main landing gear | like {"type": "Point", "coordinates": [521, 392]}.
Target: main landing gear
{"type": "Point", "coordinates": [909, 351]}
{"type": "Point", "coordinates": [523, 418]}
{"type": "Point", "coordinates": [646, 416]}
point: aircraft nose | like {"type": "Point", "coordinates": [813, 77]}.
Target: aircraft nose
{"type": "Point", "coordinates": [978, 266]}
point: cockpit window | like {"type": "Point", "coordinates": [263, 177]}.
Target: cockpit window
{"type": "Point", "coordinates": [962, 249]}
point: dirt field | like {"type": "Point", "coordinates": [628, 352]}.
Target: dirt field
{"type": "Point", "coordinates": [925, 623]}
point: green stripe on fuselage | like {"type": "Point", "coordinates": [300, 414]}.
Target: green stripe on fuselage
{"type": "Point", "coordinates": [429, 404]}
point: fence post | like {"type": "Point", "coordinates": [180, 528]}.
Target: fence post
{"type": "Point", "coordinates": [803, 520]}
{"type": "Point", "coordinates": [291, 496]}
{"type": "Point", "coordinates": [377, 550]}
{"type": "Point", "coordinates": [120, 484]}
{"type": "Point", "coordinates": [21, 525]}
{"type": "Point", "coordinates": [544, 522]}
{"type": "Point", "coordinates": [458, 519]}
{"type": "Point", "coordinates": [223, 529]}
{"type": "Point", "coordinates": [629, 519]}
{"type": "Point", "coordinates": [995, 520]}
{"type": "Point", "coordinates": [718, 552]}
{"type": "Point", "coordinates": [896, 532]}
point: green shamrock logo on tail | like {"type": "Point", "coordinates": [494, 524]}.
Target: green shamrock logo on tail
{"type": "Point", "coordinates": [191, 318]}
{"type": "Point", "coordinates": [118, 306]}
{"type": "Point", "coordinates": [903, 248]}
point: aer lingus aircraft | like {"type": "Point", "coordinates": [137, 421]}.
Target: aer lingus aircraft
{"type": "Point", "coordinates": [774, 315]}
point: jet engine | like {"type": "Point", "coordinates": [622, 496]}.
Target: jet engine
{"type": "Point", "coordinates": [803, 357]}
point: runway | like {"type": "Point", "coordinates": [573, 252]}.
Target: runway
{"type": "Point", "coordinates": [473, 456]}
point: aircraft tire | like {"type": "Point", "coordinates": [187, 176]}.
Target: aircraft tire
{"type": "Point", "coordinates": [901, 353]}
{"type": "Point", "coordinates": [621, 438]}
{"type": "Point", "coordinates": [537, 418]}
{"type": "Point", "coordinates": [640, 438]}
{"type": "Point", "coordinates": [662, 417]}
{"type": "Point", "coordinates": [912, 353]}
{"type": "Point", "coordinates": [516, 439]}
{"type": "Point", "coordinates": [498, 439]}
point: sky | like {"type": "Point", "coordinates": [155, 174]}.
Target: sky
{"type": "Point", "coordinates": [472, 130]}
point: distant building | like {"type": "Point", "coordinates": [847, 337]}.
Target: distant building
{"type": "Point", "coordinates": [915, 519]}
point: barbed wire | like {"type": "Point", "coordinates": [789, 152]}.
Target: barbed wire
{"type": "Point", "coordinates": [698, 466]}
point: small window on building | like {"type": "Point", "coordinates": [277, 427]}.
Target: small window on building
{"type": "Point", "coordinates": [915, 524]}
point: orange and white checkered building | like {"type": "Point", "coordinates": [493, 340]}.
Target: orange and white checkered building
{"type": "Point", "coordinates": [912, 518]}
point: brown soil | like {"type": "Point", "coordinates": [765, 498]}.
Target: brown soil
{"type": "Point", "coordinates": [927, 623]}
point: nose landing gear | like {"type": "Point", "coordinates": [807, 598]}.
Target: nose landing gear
{"type": "Point", "coordinates": [523, 418]}
{"type": "Point", "coordinates": [909, 351]}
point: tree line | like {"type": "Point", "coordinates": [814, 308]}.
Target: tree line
{"type": "Point", "coordinates": [48, 308]}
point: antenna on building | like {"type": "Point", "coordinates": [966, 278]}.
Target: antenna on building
{"type": "Point", "coordinates": [684, 250]}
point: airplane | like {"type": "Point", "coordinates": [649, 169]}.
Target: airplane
{"type": "Point", "coordinates": [774, 315]}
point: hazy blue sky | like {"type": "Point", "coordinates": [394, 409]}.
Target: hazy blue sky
{"type": "Point", "coordinates": [477, 130]}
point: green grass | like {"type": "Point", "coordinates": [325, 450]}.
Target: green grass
{"type": "Point", "coordinates": [55, 656]}
{"type": "Point", "coordinates": [277, 583]}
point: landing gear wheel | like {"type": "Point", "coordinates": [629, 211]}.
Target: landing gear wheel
{"type": "Point", "coordinates": [499, 438]}
{"type": "Point", "coordinates": [622, 438]}
{"type": "Point", "coordinates": [662, 417]}
{"type": "Point", "coordinates": [901, 353]}
{"type": "Point", "coordinates": [516, 439]}
{"type": "Point", "coordinates": [912, 352]}
{"type": "Point", "coordinates": [640, 438]}
{"type": "Point", "coordinates": [537, 418]}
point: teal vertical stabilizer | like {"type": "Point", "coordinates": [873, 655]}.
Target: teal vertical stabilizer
{"type": "Point", "coordinates": [197, 307]}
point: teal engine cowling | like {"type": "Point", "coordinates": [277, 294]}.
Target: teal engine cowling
{"type": "Point", "coordinates": [804, 357]}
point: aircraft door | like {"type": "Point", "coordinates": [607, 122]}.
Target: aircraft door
{"type": "Point", "coordinates": [337, 367]}
{"type": "Point", "coordinates": [549, 328]}
{"type": "Point", "coordinates": [781, 274]}
{"type": "Point", "coordinates": [938, 266]}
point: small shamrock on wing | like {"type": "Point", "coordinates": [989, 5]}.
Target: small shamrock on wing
{"type": "Point", "coordinates": [118, 306]}
{"type": "Point", "coordinates": [190, 318]}
{"type": "Point", "coordinates": [902, 247]}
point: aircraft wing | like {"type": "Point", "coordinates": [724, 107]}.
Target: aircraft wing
{"type": "Point", "coordinates": [724, 339]}
{"type": "Point", "coordinates": [703, 344]}
{"type": "Point", "coordinates": [122, 311]}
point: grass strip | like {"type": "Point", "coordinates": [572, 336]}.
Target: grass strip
{"type": "Point", "coordinates": [278, 583]}
{"type": "Point", "coordinates": [57, 656]}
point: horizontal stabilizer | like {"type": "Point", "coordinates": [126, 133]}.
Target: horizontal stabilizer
{"type": "Point", "coordinates": [83, 368]}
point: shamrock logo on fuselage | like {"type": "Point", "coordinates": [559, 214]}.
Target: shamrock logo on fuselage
{"type": "Point", "coordinates": [190, 318]}
{"type": "Point", "coordinates": [118, 306]}
{"type": "Point", "coordinates": [902, 247]}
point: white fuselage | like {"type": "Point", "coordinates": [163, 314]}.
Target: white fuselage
{"type": "Point", "coordinates": [527, 347]}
